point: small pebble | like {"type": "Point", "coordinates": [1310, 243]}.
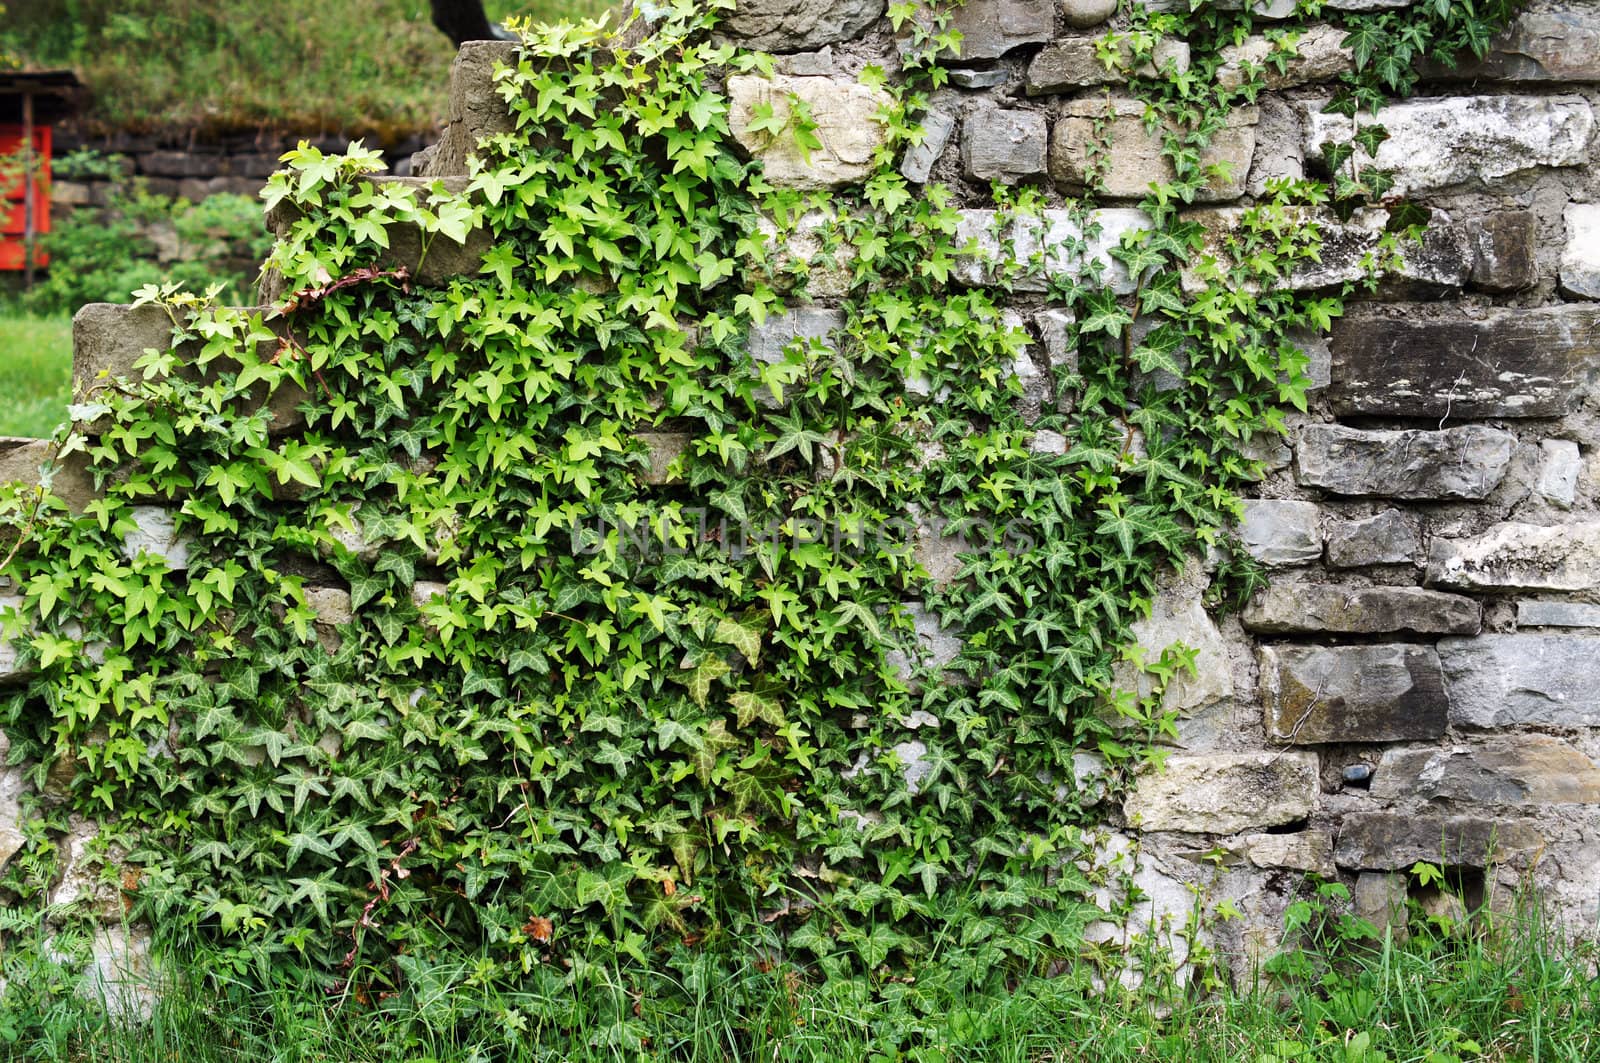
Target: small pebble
{"type": "Point", "coordinates": [1355, 774]}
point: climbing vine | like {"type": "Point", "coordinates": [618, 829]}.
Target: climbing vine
{"type": "Point", "coordinates": [594, 713]}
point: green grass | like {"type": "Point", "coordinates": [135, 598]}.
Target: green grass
{"type": "Point", "coordinates": [374, 68]}
{"type": "Point", "coordinates": [35, 373]}
{"type": "Point", "coordinates": [1514, 993]}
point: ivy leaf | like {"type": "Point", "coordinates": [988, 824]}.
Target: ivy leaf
{"type": "Point", "coordinates": [744, 637]}
{"type": "Point", "coordinates": [750, 707]}
{"type": "Point", "coordinates": [709, 670]}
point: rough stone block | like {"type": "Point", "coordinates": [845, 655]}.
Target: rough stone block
{"type": "Point", "coordinates": [1559, 469]}
{"type": "Point", "coordinates": [108, 338]}
{"type": "Point", "coordinates": [809, 250]}
{"type": "Point", "coordinates": [1580, 258]}
{"type": "Point", "coordinates": [1308, 608]}
{"type": "Point", "coordinates": [331, 604]}
{"type": "Point", "coordinates": [1443, 258]}
{"type": "Point", "coordinates": [1557, 614]}
{"type": "Point", "coordinates": [1457, 463]}
{"type": "Point", "coordinates": [1281, 532]}
{"type": "Point", "coordinates": [663, 448]}
{"type": "Point", "coordinates": [937, 127]}
{"type": "Point", "coordinates": [1053, 245]}
{"type": "Point", "coordinates": [1386, 841]}
{"type": "Point", "coordinates": [1519, 557]}
{"type": "Point", "coordinates": [1557, 41]}
{"type": "Point", "coordinates": [1082, 14]}
{"type": "Point", "coordinates": [1386, 693]}
{"type": "Point", "coordinates": [1522, 770]}
{"type": "Point", "coordinates": [1413, 360]}
{"type": "Point", "coordinates": [476, 109]}
{"type": "Point", "coordinates": [70, 479]}
{"type": "Point", "coordinates": [768, 341]}
{"type": "Point", "coordinates": [1003, 145]}
{"type": "Point", "coordinates": [1471, 141]}
{"type": "Point", "coordinates": [1386, 539]}
{"type": "Point", "coordinates": [1060, 353]}
{"type": "Point", "coordinates": [1136, 161]}
{"type": "Point", "coordinates": [991, 28]}
{"type": "Point", "coordinates": [1225, 793]}
{"type": "Point", "coordinates": [1310, 851]}
{"type": "Point", "coordinates": [931, 644]}
{"type": "Point", "coordinates": [1523, 680]}
{"type": "Point", "coordinates": [1379, 898]}
{"type": "Point", "coordinates": [784, 26]}
{"type": "Point", "coordinates": [1318, 55]}
{"type": "Point", "coordinates": [1074, 62]}
{"type": "Point", "coordinates": [10, 672]}
{"type": "Point", "coordinates": [1505, 251]}
{"type": "Point", "coordinates": [156, 533]}
{"type": "Point", "coordinates": [847, 116]}
{"type": "Point", "coordinates": [1178, 617]}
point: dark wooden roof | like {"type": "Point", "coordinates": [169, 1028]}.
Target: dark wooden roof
{"type": "Point", "coordinates": [56, 94]}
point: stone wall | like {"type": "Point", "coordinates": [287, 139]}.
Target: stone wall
{"type": "Point", "coordinates": [1422, 680]}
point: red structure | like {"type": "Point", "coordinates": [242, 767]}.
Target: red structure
{"type": "Point", "coordinates": [29, 103]}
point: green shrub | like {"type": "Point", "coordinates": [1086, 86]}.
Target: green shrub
{"type": "Point", "coordinates": [140, 238]}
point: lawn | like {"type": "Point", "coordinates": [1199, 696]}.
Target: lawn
{"type": "Point", "coordinates": [376, 69]}
{"type": "Point", "coordinates": [35, 373]}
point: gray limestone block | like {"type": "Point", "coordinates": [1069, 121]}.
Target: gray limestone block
{"type": "Point", "coordinates": [1225, 793]}
{"type": "Point", "coordinates": [1514, 556]}
{"type": "Point", "coordinates": [991, 28]}
{"type": "Point", "coordinates": [1389, 538]}
{"type": "Point", "coordinates": [1505, 250]}
{"type": "Point", "coordinates": [1412, 360]}
{"type": "Point", "coordinates": [1004, 145]}
{"type": "Point", "coordinates": [1559, 470]}
{"type": "Point", "coordinates": [848, 118]}
{"type": "Point", "coordinates": [1310, 851]}
{"type": "Point", "coordinates": [1457, 463]}
{"type": "Point", "coordinates": [1580, 257]}
{"type": "Point", "coordinates": [1530, 769]}
{"type": "Point", "coordinates": [937, 128]}
{"type": "Point", "coordinates": [1281, 532]}
{"type": "Point", "coordinates": [1546, 42]}
{"type": "Point", "coordinates": [1557, 614]}
{"type": "Point", "coordinates": [476, 108]}
{"type": "Point", "coordinates": [769, 340]}
{"type": "Point", "coordinates": [1381, 693]}
{"type": "Point", "coordinates": [33, 461]}
{"type": "Point", "coordinates": [1074, 62]}
{"type": "Point", "coordinates": [1463, 141]}
{"type": "Point", "coordinates": [785, 26]}
{"type": "Point", "coordinates": [1386, 841]}
{"type": "Point", "coordinates": [1523, 680]}
{"type": "Point", "coordinates": [1082, 14]}
{"type": "Point", "coordinates": [661, 450]}
{"type": "Point", "coordinates": [1136, 160]}
{"type": "Point", "coordinates": [155, 533]}
{"type": "Point", "coordinates": [1295, 608]}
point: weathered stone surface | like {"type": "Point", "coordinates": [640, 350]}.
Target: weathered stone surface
{"type": "Point", "coordinates": [70, 479]}
{"type": "Point", "coordinates": [1505, 250]}
{"type": "Point", "coordinates": [846, 114]}
{"type": "Point", "coordinates": [931, 643]}
{"type": "Point", "coordinates": [122, 973]}
{"type": "Point", "coordinates": [1390, 842]}
{"type": "Point", "coordinates": [1379, 898]}
{"type": "Point", "coordinates": [1178, 617]}
{"type": "Point", "coordinates": [810, 250]}
{"type": "Point", "coordinates": [1060, 353]}
{"type": "Point", "coordinates": [663, 449]}
{"type": "Point", "coordinates": [1463, 140]}
{"type": "Point", "coordinates": [1003, 145]}
{"type": "Point", "coordinates": [1523, 680]}
{"type": "Point", "coordinates": [10, 670]}
{"type": "Point", "coordinates": [1557, 614]}
{"type": "Point", "coordinates": [1309, 850]}
{"type": "Point", "coordinates": [156, 533]}
{"type": "Point", "coordinates": [13, 785]}
{"type": "Point", "coordinates": [1317, 56]}
{"type": "Point", "coordinates": [1522, 770]}
{"type": "Point", "coordinates": [785, 26]}
{"type": "Point", "coordinates": [768, 341]}
{"type": "Point", "coordinates": [1559, 469]}
{"type": "Point", "coordinates": [1073, 62]}
{"type": "Point", "coordinates": [1519, 557]}
{"type": "Point", "coordinates": [1315, 694]}
{"type": "Point", "coordinates": [1137, 161]}
{"type": "Point", "coordinates": [1281, 532]}
{"type": "Point", "coordinates": [1413, 360]}
{"type": "Point", "coordinates": [476, 109]}
{"type": "Point", "coordinates": [1553, 41]}
{"type": "Point", "coordinates": [1443, 258]}
{"type": "Point", "coordinates": [991, 28]}
{"type": "Point", "coordinates": [1053, 246]}
{"type": "Point", "coordinates": [993, 77]}
{"type": "Point", "coordinates": [1457, 463]}
{"type": "Point", "coordinates": [1082, 14]}
{"type": "Point", "coordinates": [108, 338]}
{"type": "Point", "coordinates": [1386, 539]}
{"type": "Point", "coordinates": [1225, 792]}
{"type": "Point", "coordinates": [937, 127]}
{"type": "Point", "coordinates": [1580, 258]}
{"type": "Point", "coordinates": [1286, 608]}
{"type": "Point", "coordinates": [331, 604]}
